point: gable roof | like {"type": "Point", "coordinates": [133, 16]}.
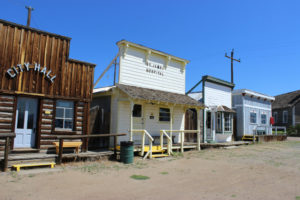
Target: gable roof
{"type": "Point", "coordinates": [157, 95]}
{"type": "Point", "coordinates": [286, 100]}
{"type": "Point", "coordinates": [218, 81]}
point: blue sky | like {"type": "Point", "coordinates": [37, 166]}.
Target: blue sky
{"type": "Point", "coordinates": [265, 35]}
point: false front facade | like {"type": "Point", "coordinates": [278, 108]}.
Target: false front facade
{"type": "Point", "coordinates": [150, 93]}
{"type": "Point", "coordinates": [43, 93]}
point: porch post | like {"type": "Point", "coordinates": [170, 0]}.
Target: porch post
{"type": "Point", "coordinates": [199, 131]}
{"type": "Point", "coordinates": [131, 120]}
{"type": "Point", "coordinates": [204, 124]}
{"type": "Point", "coordinates": [223, 122]}
{"type": "Point", "coordinates": [213, 124]}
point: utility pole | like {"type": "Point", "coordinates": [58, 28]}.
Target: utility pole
{"type": "Point", "coordinates": [29, 8]}
{"type": "Point", "coordinates": [232, 59]}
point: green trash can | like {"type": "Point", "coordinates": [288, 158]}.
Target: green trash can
{"type": "Point", "coordinates": [126, 154]}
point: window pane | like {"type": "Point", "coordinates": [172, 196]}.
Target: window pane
{"type": "Point", "coordinates": [164, 114]}
{"type": "Point", "coordinates": [21, 116]}
{"type": "Point", "coordinates": [68, 124]}
{"type": "Point", "coordinates": [64, 115]}
{"type": "Point", "coordinates": [69, 113]}
{"type": "Point", "coordinates": [65, 104]}
{"type": "Point", "coordinates": [263, 118]}
{"type": "Point", "coordinates": [253, 117]}
{"type": "Point", "coordinates": [59, 123]}
{"type": "Point", "coordinates": [59, 112]}
{"type": "Point", "coordinates": [137, 110]}
{"type": "Point", "coordinates": [30, 120]}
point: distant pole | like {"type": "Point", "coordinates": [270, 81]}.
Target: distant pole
{"type": "Point", "coordinates": [232, 59]}
{"type": "Point", "coordinates": [29, 8]}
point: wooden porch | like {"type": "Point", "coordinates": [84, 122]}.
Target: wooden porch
{"type": "Point", "coordinates": [22, 156]}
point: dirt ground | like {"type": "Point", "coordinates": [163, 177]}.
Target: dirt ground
{"type": "Point", "coordinates": [262, 171]}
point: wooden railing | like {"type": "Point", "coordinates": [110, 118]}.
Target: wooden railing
{"type": "Point", "coordinates": [181, 135]}
{"type": "Point", "coordinates": [144, 133]}
{"type": "Point", "coordinates": [169, 139]}
{"type": "Point", "coordinates": [8, 137]}
{"type": "Point", "coordinates": [73, 137]}
{"type": "Point", "coordinates": [280, 128]}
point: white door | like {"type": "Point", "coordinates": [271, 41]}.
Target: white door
{"type": "Point", "coordinates": [25, 127]}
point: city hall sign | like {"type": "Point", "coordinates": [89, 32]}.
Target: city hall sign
{"type": "Point", "coordinates": [26, 67]}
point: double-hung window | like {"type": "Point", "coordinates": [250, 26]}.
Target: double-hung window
{"type": "Point", "coordinates": [164, 114]}
{"type": "Point", "coordinates": [263, 118]}
{"type": "Point", "coordinates": [252, 117]}
{"type": "Point", "coordinates": [64, 115]}
{"type": "Point", "coordinates": [219, 122]}
{"type": "Point", "coordinates": [228, 125]}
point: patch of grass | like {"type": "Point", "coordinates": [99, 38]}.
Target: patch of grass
{"type": "Point", "coordinates": [31, 175]}
{"type": "Point", "coordinates": [213, 171]}
{"type": "Point", "coordinates": [140, 165]}
{"type": "Point", "coordinates": [233, 196]}
{"type": "Point", "coordinates": [177, 154]}
{"type": "Point", "coordinates": [164, 173]}
{"type": "Point", "coordinates": [297, 197]}
{"type": "Point", "coordinates": [139, 177]}
{"type": "Point", "coordinates": [93, 168]}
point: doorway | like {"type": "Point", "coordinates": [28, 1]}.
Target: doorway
{"type": "Point", "coordinates": [137, 122]}
{"type": "Point", "coordinates": [190, 124]}
{"type": "Point", "coordinates": [25, 127]}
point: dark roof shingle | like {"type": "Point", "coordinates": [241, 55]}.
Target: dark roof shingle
{"type": "Point", "coordinates": [157, 95]}
{"type": "Point", "coordinates": [286, 100]}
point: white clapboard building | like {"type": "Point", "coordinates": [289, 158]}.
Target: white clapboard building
{"type": "Point", "coordinates": [218, 114]}
{"type": "Point", "coordinates": [148, 96]}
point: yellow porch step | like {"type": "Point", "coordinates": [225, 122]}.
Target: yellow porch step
{"type": "Point", "coordinates": [18, 166]}
{"type": "Point", "coordinates": [248, 137]}
{"type": "Point", "coordinates": [159, 155]}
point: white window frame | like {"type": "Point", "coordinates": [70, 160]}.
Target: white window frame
{"type": "Point", "coordinates": [219, 122]}
{"type": "Point", "coordinates": [261, 120]}
{"type": "Point", "coordinates": [285, 121]}
{"type": "Point", "coordinates": [64, 117]}
{"type": "Point", "coordinates": [159, 117]}
{"type": "Point", "coordinates": [255, 117]}
{"type": "Point", "coordinates": [229, 124]}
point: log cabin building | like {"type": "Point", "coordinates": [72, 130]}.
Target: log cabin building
{"type": "Point", "coordinates": [43, 93]}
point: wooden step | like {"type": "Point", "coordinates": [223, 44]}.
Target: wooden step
{"type": "Point", "coordinates": [18, 166]}
{"type": "Point", "coordinates": [159, 155]}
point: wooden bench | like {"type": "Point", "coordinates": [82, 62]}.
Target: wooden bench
{"type": "Point", "coordinates": [75, 145]}
{"type": "Point", "coordinates": [18, 166]}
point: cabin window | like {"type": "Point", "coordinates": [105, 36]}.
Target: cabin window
{"type": "Point", "coordinates": [164, 114]}
{"type": "Point", "coordinates": [137, 110]}
{"type": "Point", "coordinates": [64, 116]}
{"type": "Point", "coordinates": [228, 125]}
{"type": "Point", "coordinates": [275, 115]}
{"type": "Point", "coordinates": [253, 117]}
{"type": "Point", "coordinates": [219, 122]}
{"type": "Point", "coordinates": [263, 118]}
{"type": "Point", "coordinates": [285, 116]}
